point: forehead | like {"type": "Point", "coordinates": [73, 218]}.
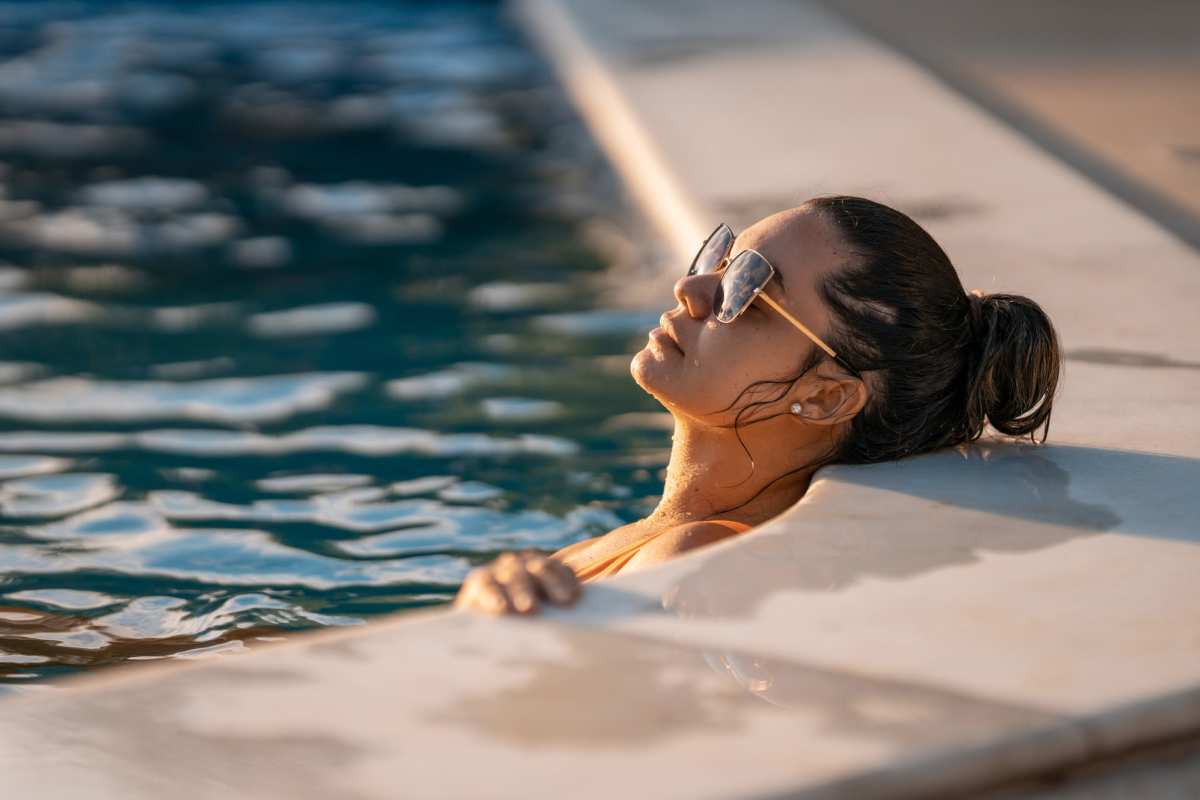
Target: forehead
{"type": "Point", "coordinates": [799, 243]}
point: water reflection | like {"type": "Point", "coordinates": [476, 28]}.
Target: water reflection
{"type": "Point", "coordinates": [230, 400]}
{"type": "Point", "coordinates": [673, 690]}
{"type": "Point", "coordinates": [300, 321]}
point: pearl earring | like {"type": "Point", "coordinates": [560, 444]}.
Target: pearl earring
{"type": "Point", "coordinates": [797, 408]}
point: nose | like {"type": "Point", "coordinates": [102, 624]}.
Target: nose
{"type": "Point", "coordinates": [695, 293]}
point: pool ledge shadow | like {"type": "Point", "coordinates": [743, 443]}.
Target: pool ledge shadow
{"type": "Point", "coordinates": [902, 520]}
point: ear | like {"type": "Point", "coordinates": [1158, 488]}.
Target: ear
{"type": "Point", "coordinates": [831, 397]}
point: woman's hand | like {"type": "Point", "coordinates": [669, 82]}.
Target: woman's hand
{"type": "Point", "coordinates": [517, 582]}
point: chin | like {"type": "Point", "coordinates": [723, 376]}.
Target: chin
{"type": "Point", "coordinates": [652, 373]}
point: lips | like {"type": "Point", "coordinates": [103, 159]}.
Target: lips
{"type": "Point", "coordinates": [665, 332]}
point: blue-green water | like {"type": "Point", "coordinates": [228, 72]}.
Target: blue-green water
{"type": "Point", "coordinates": [298, 322]}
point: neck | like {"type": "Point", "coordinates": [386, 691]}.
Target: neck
{"type": "Point", "coordinates": [710, 475]}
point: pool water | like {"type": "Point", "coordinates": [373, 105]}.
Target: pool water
{"type": "Point", "coordinates": [300, 320]}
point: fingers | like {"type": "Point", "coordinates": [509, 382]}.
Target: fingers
{"type": "Point", "coordinates": [516, 582]}
{"type": "Point", "coordinates": [481, 590]}
{"type": "Point", "coordinates": [522, 591]}
{"type": "Point", "coordinates": [556, 579]}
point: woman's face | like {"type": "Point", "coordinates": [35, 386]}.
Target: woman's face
{"type": "Point", "coordinates": [697, 366]}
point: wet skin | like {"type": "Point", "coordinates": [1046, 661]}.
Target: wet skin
{"type": "Point", "coordinates": [697, 367]}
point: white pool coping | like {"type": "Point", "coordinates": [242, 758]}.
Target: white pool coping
{"type": "Point", "coordinates": [935, 625]}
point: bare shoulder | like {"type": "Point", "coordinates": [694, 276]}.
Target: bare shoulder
{"type": "Point", "coordinates": [680, 539]}
{"type": "Point", "coordinates": [588, 549]}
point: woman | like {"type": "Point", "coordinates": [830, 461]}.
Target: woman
{"type": "Point", "coordinates": [837, 331]}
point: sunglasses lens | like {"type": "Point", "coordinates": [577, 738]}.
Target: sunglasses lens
{"type": "Point", "coordinates": [712, 251]}
{"type": "Point", "coordinates": [743, 278]}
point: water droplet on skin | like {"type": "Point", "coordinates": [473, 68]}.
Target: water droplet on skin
{"type": "Point", "coordinates": [695, 362]}
{"type": "Point", "coordinates": [711, 324]}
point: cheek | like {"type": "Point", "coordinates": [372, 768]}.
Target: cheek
{"type": "Point", "coordinates": [711, 347]}
{"type": "Point", "coordinates": [751, 355]}
{"type": "Point", "coordinates": [706, 349]}
{"type": "Point", "coordinates": [726, 357]}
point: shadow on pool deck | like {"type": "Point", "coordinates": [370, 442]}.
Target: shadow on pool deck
{"type": "Point", "coordinates": [991, 497]}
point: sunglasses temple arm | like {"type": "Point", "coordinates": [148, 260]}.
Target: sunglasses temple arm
{"type": "Point", "coordinates": [803, 328]}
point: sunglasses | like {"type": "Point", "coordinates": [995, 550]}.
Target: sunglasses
{"type": "Point", "coordinates": [744, 279]}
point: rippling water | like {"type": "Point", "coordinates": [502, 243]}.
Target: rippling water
{"type": "Point", "coordinates": [298, 323]}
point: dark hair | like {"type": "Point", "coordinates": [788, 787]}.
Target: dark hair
{"type": "Point", "coordinates": [942, 363]}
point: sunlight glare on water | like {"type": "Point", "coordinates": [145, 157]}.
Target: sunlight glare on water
{"type": "Point", "coordinates": [298, 322]}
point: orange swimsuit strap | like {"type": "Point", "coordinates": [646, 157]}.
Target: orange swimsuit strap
{"type": "Point", "coordinates": [614, 561]}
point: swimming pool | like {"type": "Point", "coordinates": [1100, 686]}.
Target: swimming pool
{"type": "Point", "coordinates": [300, 322]}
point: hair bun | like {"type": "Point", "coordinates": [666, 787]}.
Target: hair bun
{"type": "Point", "coordinates": [1014, 367]}
{"type": "Point", "coordinates": [975, 302]}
